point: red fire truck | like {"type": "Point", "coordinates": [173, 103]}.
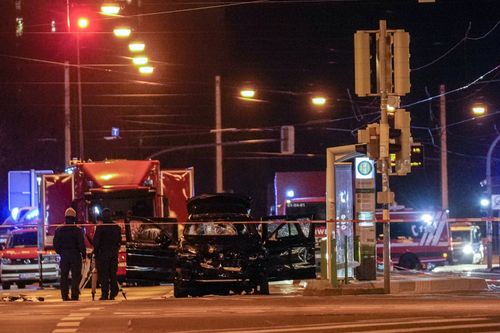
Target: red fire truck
{"type": "Point", "coordinates": [419, 240]}
{"type": "Point", "coordinates": [138, 192]}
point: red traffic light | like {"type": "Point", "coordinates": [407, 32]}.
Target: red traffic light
{"type": "Point", "coordinates": [83, 22]}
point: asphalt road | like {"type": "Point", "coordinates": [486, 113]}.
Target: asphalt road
{"type": "Point", "coordinates": [153, 309]}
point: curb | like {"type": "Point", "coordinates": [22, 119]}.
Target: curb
{"type": "Point", "coordinates": [415, 286]}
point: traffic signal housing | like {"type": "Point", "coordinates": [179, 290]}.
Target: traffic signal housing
{"type": "Point", "coordinates": [287, 140]}
{"type": "Point", "coordinates": [371, 137]}
{"type": "Point", "coordinates": [402, 142]}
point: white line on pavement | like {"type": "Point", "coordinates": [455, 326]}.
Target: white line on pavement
{"type": "Point", "coordinates": [328, 326]}
{"type": "Point", "coordinates": [69, 324]}
{"type": "Point", "coordinates": [64, 330]}
{"type": "Point", "coordinates": [79, 314]}
{"type": "Point", "coordinates": [438, 328]}
{"type": "Point", "coordinates": [72, 318]}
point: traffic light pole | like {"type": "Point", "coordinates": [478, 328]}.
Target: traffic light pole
{"type": "Point", "coordinates": [393, 81]}
{"type": "Point", "coordinates": [384, 151]}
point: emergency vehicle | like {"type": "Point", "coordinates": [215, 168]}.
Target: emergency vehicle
{"type": "Point", "coordinates": [19, 217]}
{"type": "Point", "coordinates": [419, 239]}
{"type": "Point", "coordinates": [130, 188]}
{"type": "Point", "coordinates": [20, 260]}
{"type": "Point", "coordinates": [466, 243]}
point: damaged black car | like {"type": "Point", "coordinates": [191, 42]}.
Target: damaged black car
{"type": "Point", "coordinates": [222, 250]}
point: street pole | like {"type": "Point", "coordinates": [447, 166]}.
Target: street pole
{"type": "Point", "coordinates": [67, 116]}
{"type": "Point", "coordinates": [80, 111]}
{"type": "Point", "coordinates": [218, 138]}
{"type": "Point", "coordinates": [384, 153]}
{"type": "Point", "coordinates": [444, 148]}
{"type": "Point", "coordinates": [489, 227]}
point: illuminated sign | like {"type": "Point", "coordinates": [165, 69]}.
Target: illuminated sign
{"type": "Point", "coordinates": [364, 168]}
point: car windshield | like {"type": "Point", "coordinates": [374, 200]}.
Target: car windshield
{"type": "Point", "coordinates": [461, 236]}
{"type": "Point", "coordinates": [25, 239]}
{"type": "Point", "coordinates": [215, 229]}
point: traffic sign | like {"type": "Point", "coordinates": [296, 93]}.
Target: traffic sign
{"type": "Point", "coordinates": [495, 202]}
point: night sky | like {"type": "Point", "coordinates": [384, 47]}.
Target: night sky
{"type": "Point", "coordinates": [286, 49]}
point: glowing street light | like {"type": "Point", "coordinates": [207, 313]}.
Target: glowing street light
{"type": "Point", "coordinates": [146, 69]}
{"type": "Point", "coordinates": [136, 46]}
{"type": "Point", "coordinates": [479, 109]}
{"type": "Point", "coordinates": [318, 100]}
{"type": "Point", "coordinates": [247, 93]}
{"type": "Point", "coordinates": [140, 60]}
{"type": "Point", "coordinates": [122, 32]}
{"type": "Point", "coordinates": [484, 203]}
{"type": "Point", "coordinates": [110, 9]}
{"type": "Point", "coordinates": [83, 22]}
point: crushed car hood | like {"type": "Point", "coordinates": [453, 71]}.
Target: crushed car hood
{"type": "Point", "coordinates": [228, 245]}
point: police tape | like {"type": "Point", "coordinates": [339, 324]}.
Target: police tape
{"type": "Point", "coordinates": [268, 221]}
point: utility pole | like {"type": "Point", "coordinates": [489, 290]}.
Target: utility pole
{"type": "Point", "coordinates": [80, 107]}
{"type": "Point", "coordinates": [489, 188]}
{"type": "Point", "coordinates": [219, 187]}
{"type": "Point", "coordinates": [444, 148]}
{"type": "Point", "coordinates": [67, 115]}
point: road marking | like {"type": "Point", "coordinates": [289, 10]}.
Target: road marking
{"type": "Point", "coordinates": [364, 324]}
{"type": "Point", "coordinates": [438, 328]}
{"type": "Point", "coordinates": [72, 318]}
{"type": "Point", "coordinates": [79, 314]}
{"type": "Point", "coordinates": [91, 309]}
{"type": "Point", "coordinates": [69, 324]}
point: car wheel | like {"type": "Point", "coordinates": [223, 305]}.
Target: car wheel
{"type": "Point", "coordinates": [21, 285]}
{"type": "Point", "coordinates": [5, 285]}
{"type": "Point", "coordinates": [409, 261]}
{"type": "Point", "coordinates": [180, 292]}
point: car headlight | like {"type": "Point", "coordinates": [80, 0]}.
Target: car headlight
{"type": "Point", "coordinates": [6, 261]}
{"type": "Point", "coordinates": [467, 249]}
{"type": "Point", "coordinates": [50, 259]}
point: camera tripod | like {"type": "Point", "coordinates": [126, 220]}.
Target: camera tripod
{"type": "Point", "coordinates": [89, 274]}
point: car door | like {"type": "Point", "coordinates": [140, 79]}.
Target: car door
{"type": "Point", "coordinates": [150, 246]}
{"type": "Point", "coordinates": [290, 248]}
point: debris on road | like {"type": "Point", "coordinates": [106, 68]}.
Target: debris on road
{"type": "Point", "coordinates": [22, 298]}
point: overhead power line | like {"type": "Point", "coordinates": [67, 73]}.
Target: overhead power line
{"type": "Point", "coordinates": [463, 40]}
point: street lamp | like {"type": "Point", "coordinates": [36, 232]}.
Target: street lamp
{"type": "Point", "coordinates": [110, 9]}
{"type": "Point", "coordinates": [479, 109]}
{"type": "Point", "coordinates": [140, 60]}
{"type": "Point", "coordinates": [146, 69]}
{"type": "Point", "coordinates": [318, 100]}
{"type": "Point", "coordinates": [247, 93]}
{"type": "Point", "coordinates": [489, 227]}
{"type": "Point", "coordinates": [136, 47]}
{"type": "Point", "coordinates": [122, 32]}
{"type": "Point", "coordinates": [484, 203]}
{"type": "Point", "coordinates": [83, 23]}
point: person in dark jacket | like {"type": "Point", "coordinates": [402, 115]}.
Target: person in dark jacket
{"type": "Point", "coordinates": [69, 244]}
{"type": "Point", "coordinates": [107, 239]}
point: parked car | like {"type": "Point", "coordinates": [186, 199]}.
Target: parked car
{"type": "Point", "coordinates": [223, 250]}
{"type": "Point", "coordinates": [20, 260]}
